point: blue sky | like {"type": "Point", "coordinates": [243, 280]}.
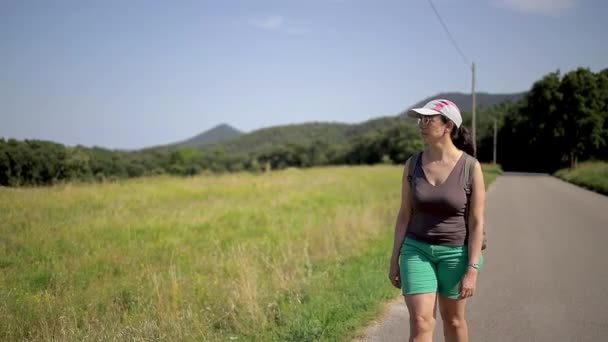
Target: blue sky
{"type": "Point", "coordinates": [131, 74]}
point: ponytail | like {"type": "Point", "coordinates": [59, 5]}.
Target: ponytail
{"type": "Point", "coordinates": [462, 140]}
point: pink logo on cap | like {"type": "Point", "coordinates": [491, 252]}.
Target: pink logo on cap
{"type": "Point", "coordinates": [441, 104]}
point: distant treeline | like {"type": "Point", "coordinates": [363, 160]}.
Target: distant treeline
{"type": "Point", "coordinates": [561, 120]}
{"type": "Point", "coordinates": [35, 162]}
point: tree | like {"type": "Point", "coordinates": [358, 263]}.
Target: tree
{"type": "Point", "coordinates": [581, 125]}
{"type": "Point", "coordinates": [528, 137]}
{"type": "Point", "coordinates": [400, 142]}
{"type": "Point", "coordinates": [76, 164]}
{"type": "Point", "coordinates": [5, 166]}
{"type": "Point", "coordinates": [185, 161]}
{"type": "Point", "coordinates": [559, 121]}
{"type": "Point", "coordinates": [601, 152]}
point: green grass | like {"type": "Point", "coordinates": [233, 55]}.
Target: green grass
{"type": "Point", "coordinates": [490, 172]}
{"type": "Point", "coordinates": [590, 175]}
{"type": "Point", "coordinates": [295, 255]}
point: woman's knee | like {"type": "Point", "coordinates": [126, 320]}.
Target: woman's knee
{"type": "Point", "coordinates": [452, 313]}
{"type": "Point", "coordinates": [454, 322]}
{"type": "Point", "coordinates": [422, 323]}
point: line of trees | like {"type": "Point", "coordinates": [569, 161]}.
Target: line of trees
{"type": "Point", "coordinates": [36, 162]}
{"type": "Point", "coordinates": [561, 120]}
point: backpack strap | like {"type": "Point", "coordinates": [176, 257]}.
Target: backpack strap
{"type": "Point", "coordinates": [414, 160]}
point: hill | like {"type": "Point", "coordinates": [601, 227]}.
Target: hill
{"type": "Point", "coordinates": [330, 133]}
{"type": "Point", "coordinates": [341, 133]}
{"type": "Point", "coordinates": [214, 135]}
{"type": "Point", "coordinates": [464, 101]}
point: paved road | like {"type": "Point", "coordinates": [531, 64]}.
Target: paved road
{"type": "Point", "coordinates": [546, 275]}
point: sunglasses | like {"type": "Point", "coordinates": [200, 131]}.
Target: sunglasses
{"type": "Point", "coordinates": [426, 119]}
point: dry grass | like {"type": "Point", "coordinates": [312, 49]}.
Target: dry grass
{"type": "Point", "coordinates": [296, 255]}
{"type": "Point", "coordinates": [200, 258]}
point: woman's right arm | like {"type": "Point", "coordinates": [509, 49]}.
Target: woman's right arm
{"type": "Point", "coordinates": [403, 217]}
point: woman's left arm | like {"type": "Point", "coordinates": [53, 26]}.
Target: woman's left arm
{"type": "Point", "coordinates": [476, 215]}
{"type": "Point", "coordinates": [476, 218]}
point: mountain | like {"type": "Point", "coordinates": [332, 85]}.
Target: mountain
{"type": "Point", "coordinates": [464, 101]}
{"type": "Point", "coordinates": [214, 135]}
{"type": "Point", "coordinates": [332, 133]}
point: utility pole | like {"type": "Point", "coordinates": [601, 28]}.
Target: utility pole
{"type": "Point", "coordinates": [495, 139]}
{"type": "Point", "coordinates": [474, 124]}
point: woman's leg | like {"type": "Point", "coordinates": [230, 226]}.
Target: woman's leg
{"type": "Point", "coordinates": [422, 309]}
{"type": "Point", "coordinates": [450, 270]}
{"type": "Point", "coordinates": [419, 285]}
{"type": "Point", "coordinates": [454, 324]}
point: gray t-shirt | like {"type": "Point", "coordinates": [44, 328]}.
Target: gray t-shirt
{"type": "Point", "coordinates": [438, 211]}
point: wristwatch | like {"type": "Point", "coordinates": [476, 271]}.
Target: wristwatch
{"type": "Point", "coordinates": [475, 266]}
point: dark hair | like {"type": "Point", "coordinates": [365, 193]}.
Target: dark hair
{"type": "Point", "coordinates": [461, 138]}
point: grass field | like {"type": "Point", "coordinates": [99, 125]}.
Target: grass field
{"type": "Point", "coordinates": [590, 175]}
{"type": "Point", "coordinates": [294, 255]}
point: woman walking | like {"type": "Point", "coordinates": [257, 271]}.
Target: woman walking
{"type": "Point", "coordinates": [437, 250]}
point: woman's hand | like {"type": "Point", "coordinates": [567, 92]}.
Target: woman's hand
{"type": "Point", "coordinates": [393, 274]}
{"type": "Point", "coordinates": [468, 283]}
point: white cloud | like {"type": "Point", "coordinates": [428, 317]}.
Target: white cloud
{"type": "Point", "coordinates": [544, 7]}
{"type": "Point", "coordinates": [276, 23]}
{"type": "Point", "coordinates": [270, 23]}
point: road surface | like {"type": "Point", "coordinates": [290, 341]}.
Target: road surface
{"type": "Point", "coordinates": [546, 271]}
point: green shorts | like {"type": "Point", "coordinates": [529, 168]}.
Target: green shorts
{"type": "Point", "coordinates": [429, 268]}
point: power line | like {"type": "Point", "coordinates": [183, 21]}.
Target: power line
{"type": "Point", "coordinates": [466, 61]}
{"type": "Point", "coordinates": [472, 68]}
